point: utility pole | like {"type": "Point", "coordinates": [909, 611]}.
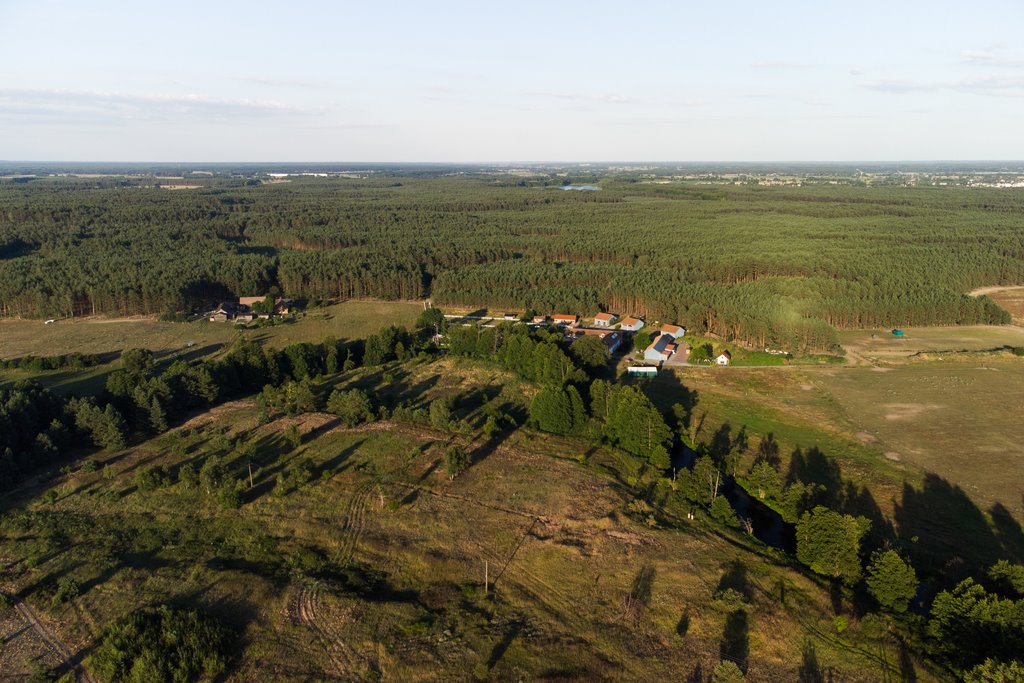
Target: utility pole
{"type": "Point", "coordinates": [250, 473]}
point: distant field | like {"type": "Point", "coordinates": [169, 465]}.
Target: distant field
{"type": "Point", "coordinates": [1010, 298]}
{"type": "Point", "coordinates": [347, 320]}
{"type": "Point", "coordinates": [881, 345]}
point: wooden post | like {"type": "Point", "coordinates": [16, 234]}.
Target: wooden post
{"type": "Point", "coordinates": [250, 474]}
{"type": "Point", "coordinates": [486, 578]}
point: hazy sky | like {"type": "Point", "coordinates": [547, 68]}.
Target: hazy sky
{"type": "Point", "coordinates": [511, 81]}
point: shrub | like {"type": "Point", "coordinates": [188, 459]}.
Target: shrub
{"type": "Point", "coordinates": [455, 461]}
{"type": "Point", "coordinates": [67, 590]}
{"type": "Point", "coordinates": [162, 644]}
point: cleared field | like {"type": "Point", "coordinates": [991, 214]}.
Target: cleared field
{"type": "Point", "coordinates": [374, 569]}
{"type": "Point", "coordinates": [346, 320]}
{"type": "Point", "coordinates": [1010, 298]}
{"type": "Point", "coordinates": [881, 346]}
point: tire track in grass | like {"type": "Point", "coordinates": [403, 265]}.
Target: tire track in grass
{"type": "Point", "coordinates": [355, 521]}
{"type": "Point", "coordinates": [306, 611]}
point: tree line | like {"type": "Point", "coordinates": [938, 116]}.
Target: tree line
{"type": "Point", "coordinates": [780, 267]}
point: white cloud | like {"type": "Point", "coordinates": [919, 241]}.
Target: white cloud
{"type": "Point", "coordinates": [84, 106]}
{"type": "Point", "coordinates": [990, 56]}
{"type": "Point", "coordinates": [982, 85]}
{"type": "Point", "coordinates": [778, 64]}
{"type": "Point", "coordinates": [599, 98]}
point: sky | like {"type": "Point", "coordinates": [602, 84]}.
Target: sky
{"type": "Point", "coordinates": [511, 81]}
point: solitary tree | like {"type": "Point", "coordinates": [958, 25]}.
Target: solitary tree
{"type": "Point", "coordinates": [891, 581]}
{"type": "Point", "coordinates": [455, 461]}
{"type": "Point", "coordinates": [829, 543]}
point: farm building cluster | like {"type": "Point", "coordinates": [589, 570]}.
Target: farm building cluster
{"type": "Point", "coordinates": [664, 346]}
{"type": "Point", "coordinates": [248, 308]}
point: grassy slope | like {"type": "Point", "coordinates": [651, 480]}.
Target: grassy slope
{"type": "Point", "coordinates": [560, 597]}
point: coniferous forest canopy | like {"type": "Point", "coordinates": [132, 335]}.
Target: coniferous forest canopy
{"type": "Point", "coordinates": [778, 266]}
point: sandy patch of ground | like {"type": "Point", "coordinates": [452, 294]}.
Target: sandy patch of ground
{"type": "Point", "coordinates": [907, 411]}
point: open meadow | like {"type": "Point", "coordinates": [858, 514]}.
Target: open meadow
{"type": "Point", "coordinates": [935, 443]}
{"type": "Point", "coordinates": [881, 346]}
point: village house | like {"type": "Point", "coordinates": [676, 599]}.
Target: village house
{"type": "Point", "coordinates": [676, 331]}
{"type": "Point", "coordinates": [540, 319]}
{"type": "Point", "coordinates": [229, 310]}
{"type": "Point", "coordinates": [604, 319]}
{"type": "Point", "coordinates": [724, 358]}
{"type": "Point", "coordinates": [631, 324]}
{"type": "Point", "coordinates": [283, 306]}
{"type": "Point", "coordinates": [564, 319]}
{"type": "Point", "coordinates": [661, 348]}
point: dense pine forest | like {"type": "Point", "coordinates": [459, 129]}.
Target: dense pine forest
{"type": "Point", "coordinates": [783, 267]}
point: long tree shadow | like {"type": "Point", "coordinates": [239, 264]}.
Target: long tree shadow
{"type": "Point", "coordinates": [735, 644]}
{"type": "Point", "coordinates": [815, 468]}
{"type": "Point", "coordinates": [1008, 533]}
{"type": "Point", "coordinates": [810, 670]}
{"type": "Point", "coordinates": [502, 646]}
{"type": "Point", "coordinates": [768, 451]}
{"type": "Point", "coordinates": [638, 599]}
{"type": "Point", "coordinates": [943, 528]}
{"type": "Point", "coordinates": [858, 501]}
{"type": "Point", "coordinates": [735, 578]}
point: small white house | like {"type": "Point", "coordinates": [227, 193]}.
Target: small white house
{"type": "Point", "coordinates": [564, 319]}
{"type": "Point", "coordinates": [642, 371]}
{"type": "Point", "coordinates": [604, 319]}
{"type": "Point", "coordinates": [724, 358]}
{"type": "Point", "coordinates": [631, 324]}
{"type": "Point", "coordinates": [676, 331]}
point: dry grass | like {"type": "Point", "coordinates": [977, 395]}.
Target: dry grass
{"type": "Point", "coordinates": [958, 418]}
{"type": "Point", "coordinates": [568, 595]}
{"type": "Point", "coordinates": [1012, 299]}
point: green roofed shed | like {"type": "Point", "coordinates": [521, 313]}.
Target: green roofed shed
{"type": "Point", "coordinates": [897, 333]}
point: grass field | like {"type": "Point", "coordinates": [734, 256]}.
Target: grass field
{"type": "Point", "coordinates": [882, 346]}
{"type": "Point", "coordinates": [958, 419]}
{"type": "Point", "coordinates": [375, 568]}
{"type": "Point", "coordinates": [346, 320]}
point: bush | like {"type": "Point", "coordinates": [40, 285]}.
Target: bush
{"type": "Point", "coordinates": [727, 672]}
{"type": "Point", "coordinates": [455, 461]}
{"type": "Point", "coordinates": [67, 590]}
{"type": "Point", "coordinates": [352, 407]}
{"type": "Point", "coordinates": [150, 478]}
{"type": "Point", "coordinates": [162, 644]}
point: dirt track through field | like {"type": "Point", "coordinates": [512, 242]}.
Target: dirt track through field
{"type": "Point", "coordinates": [305, 608]}
{"type": "Point", "coordinates": [56, 645]}
{"type": "Point", "coordinates": [355, 520]}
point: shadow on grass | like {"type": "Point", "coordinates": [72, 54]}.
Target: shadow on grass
{"type": "Point", "coordinates": [948, 535]}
